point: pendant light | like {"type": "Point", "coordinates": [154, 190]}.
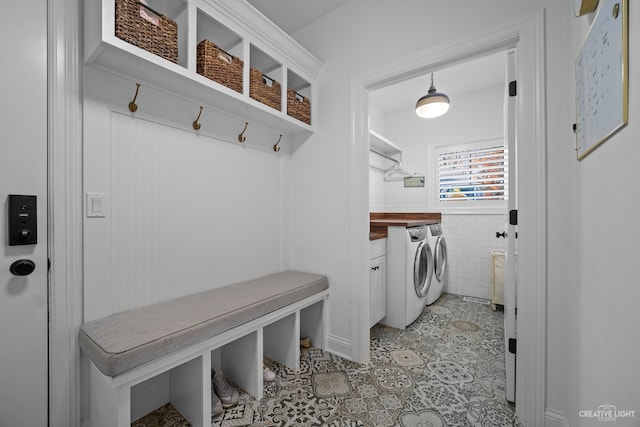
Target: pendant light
{"type": "Point", "coordinates": [433, 104]}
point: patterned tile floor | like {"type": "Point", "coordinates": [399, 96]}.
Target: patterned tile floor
{"type": "Point", "coordinates": [446, 369]}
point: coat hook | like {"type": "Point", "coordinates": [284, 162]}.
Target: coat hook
{"type": "Point", "coordinates": [133, 107]}
{"type": "Point", "coordinates": [275, 147]}
{"type": "Point", "coordinates": [196, 124]}
{"type": "Point", "coordinates": [241, 137]}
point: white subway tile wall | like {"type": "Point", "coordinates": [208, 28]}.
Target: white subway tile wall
{"type": "Point", "coordinates": [410, 200]}
{"type": "Point", "coordinates": [470, 239]}
{"type": "Point", "coordinates": [376, 201]}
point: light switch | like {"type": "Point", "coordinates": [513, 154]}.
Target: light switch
{"type": "Point", "coordinates": [96, 205]}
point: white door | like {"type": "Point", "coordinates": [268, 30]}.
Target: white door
{"type": "Point", "coordinates": [512, 205]}
{"type": "Point", "coordinates": [23, 171]}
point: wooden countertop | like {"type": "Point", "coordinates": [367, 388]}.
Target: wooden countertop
{"type": "Point", "coordinates": [403, 222]}
{"type": "Point", "coordinates": [379, 221]}
{"type": "Point", "coordinates": [376, 235]}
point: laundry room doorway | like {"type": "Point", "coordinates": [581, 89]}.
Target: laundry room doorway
{"type": "Point", "coordinates": [527, 40]}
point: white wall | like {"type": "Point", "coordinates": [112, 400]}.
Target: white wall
{"type": "Point", "coordinates": [473, 116]}
{"type": "Point", "coordinates": [607, 291]}
{"type": "Point", "coordinates": [575, 307]}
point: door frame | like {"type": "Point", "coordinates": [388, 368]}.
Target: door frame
{"type": "Point", "coordinates": [527, 37]}
{"type": "Point", "coordinates": [65, 209]}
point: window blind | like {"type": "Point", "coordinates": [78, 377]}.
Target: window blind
{"type": "Point", "coordinates": [472, 173]}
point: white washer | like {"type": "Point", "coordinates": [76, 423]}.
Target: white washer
{"type": "Point", "coordinates": [439, 244]}
{"type": "Point", "coordinates": [409, 272]}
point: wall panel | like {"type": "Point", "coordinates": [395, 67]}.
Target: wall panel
{"type": "Point", "coordinates": [185, 212]}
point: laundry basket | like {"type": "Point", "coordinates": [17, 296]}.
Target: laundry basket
{"type": "Point", "coordinates": [218, 65]}
{"type": "Point", "coordinates": [140, 25]}
{"type": "Point", "coordinates": [298, 106]}
{"type": "Point", "coordinates": [264, 89]}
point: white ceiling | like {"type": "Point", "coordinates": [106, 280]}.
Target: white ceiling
{"type": "Point", "coordinates": [291, 15]}
{"type": "Point", "coordinates": [454, 81]}
{"type": "Point", "coordinates": [488, 71]}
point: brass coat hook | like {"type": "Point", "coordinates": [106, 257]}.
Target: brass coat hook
{"type": "Point", "coordinates": [241, 137]}
{"type": "Point", "coordinates": [275, 146]}
{"type": "Point", "coordinates": [196, 124]}
{"type": "Point", "coordinates": [133, 107]}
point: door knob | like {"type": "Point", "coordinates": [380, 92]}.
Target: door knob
{"type": "Point", "coordinates": [503, 235]}
{"type": "Point", "coordinates": [22, 267]}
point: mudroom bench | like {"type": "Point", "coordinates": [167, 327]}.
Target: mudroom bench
{"type": "Point", "coordinates": [143, 358]}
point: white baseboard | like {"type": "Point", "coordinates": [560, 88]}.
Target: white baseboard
{"type": "Point", "coordinates": [339, 346]}
{"type": "Point", "coordinates": [554, 418]}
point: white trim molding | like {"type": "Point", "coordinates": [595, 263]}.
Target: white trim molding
{"type": "Point", "coordinates": [555, 419]}
{"type": "Point", "coordinates": [65, 210]}
{"type": "Point", "coordinates": [527, 37]}
{"type": "Point", "coordinates": [339, 346]}
{"type": "Point", "coordinates": [532, 224]}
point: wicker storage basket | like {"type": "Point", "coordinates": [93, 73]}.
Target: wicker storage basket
{"type": "Point", "coordinates": [219, 66]}
{"type": "Point", "coordinates": [261, 91]}
{"type": "Point", "coordinates": [139, 25]}
{"type": "Point", "coordinates": [298, 106]}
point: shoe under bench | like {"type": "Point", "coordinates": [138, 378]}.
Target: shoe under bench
{"type": "Point", "coordinates": [142, 359]}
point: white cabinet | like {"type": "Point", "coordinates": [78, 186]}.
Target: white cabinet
{"type": "Point", "coordinates": [235, 27]}
{"type": "Point", "coordinates": [377, 273]}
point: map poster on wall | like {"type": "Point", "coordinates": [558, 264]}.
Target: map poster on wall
{"type": "Point", "coordinates": [602, 81]}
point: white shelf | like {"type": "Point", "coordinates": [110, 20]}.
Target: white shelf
{"type": "Point", "coordinates": [249, 28]}
{"type": "Point", "coordinates": [382, 145]}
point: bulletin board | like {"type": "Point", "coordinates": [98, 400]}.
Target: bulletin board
{"type": "Point", "coordinates": [602, 81]}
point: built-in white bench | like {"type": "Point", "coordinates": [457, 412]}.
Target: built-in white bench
{"type": "Point", "coordinates": [143, 358]}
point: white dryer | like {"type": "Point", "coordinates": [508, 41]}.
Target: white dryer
{"type": "Point", "coordinates": [439, 244]}
{"type": "Point", "coordinates": [409, 272]}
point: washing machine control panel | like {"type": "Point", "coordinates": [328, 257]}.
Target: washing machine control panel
{"type": "Point", "coordinates": [436, 229]}
{"type": "Point", "coordinates": [417, 233]}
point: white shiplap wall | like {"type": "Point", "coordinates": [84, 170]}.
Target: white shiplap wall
{"type": "Point", "coordinates": [185, 212]}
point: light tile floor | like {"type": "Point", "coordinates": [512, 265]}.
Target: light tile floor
{"type": "Point", "coordinates": [446, 369]}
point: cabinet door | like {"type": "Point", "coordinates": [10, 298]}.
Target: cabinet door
{"type": "Point", "coordinates": [378, 304]}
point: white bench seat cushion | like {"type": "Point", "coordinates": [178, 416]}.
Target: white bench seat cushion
{"type": "Point", "coordinates": [126, 340]}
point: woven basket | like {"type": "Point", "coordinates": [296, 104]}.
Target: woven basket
{"type": "Point", "coordinates": [139, 25]}
{"type": "Point", "coordinates": [219, 66]}
{"type": "Point", "coordinates": [298, 106]}
{"type": "Point", "coordinates": [260, 90]}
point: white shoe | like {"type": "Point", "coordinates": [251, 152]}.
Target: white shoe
{"type": "Point", "coordinates": [268, 374]}
{"type": "Point", "coordinates": [228, 395]}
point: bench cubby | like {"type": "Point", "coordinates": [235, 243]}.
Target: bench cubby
{"type": "Point", "coordinates": [183, 386]}
{"type": "Point", "coordinates": [281, 342]}
{"type": "Point", "coordinates": [241, 362]}
{"type": "Point", "coordinates": [274, 313]}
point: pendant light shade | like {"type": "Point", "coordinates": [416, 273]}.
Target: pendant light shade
{"type": "Point", "coordinates": [433, 104]}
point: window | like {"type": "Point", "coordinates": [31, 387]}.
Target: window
{"type": "Point", "coordinates": [473, 174]}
